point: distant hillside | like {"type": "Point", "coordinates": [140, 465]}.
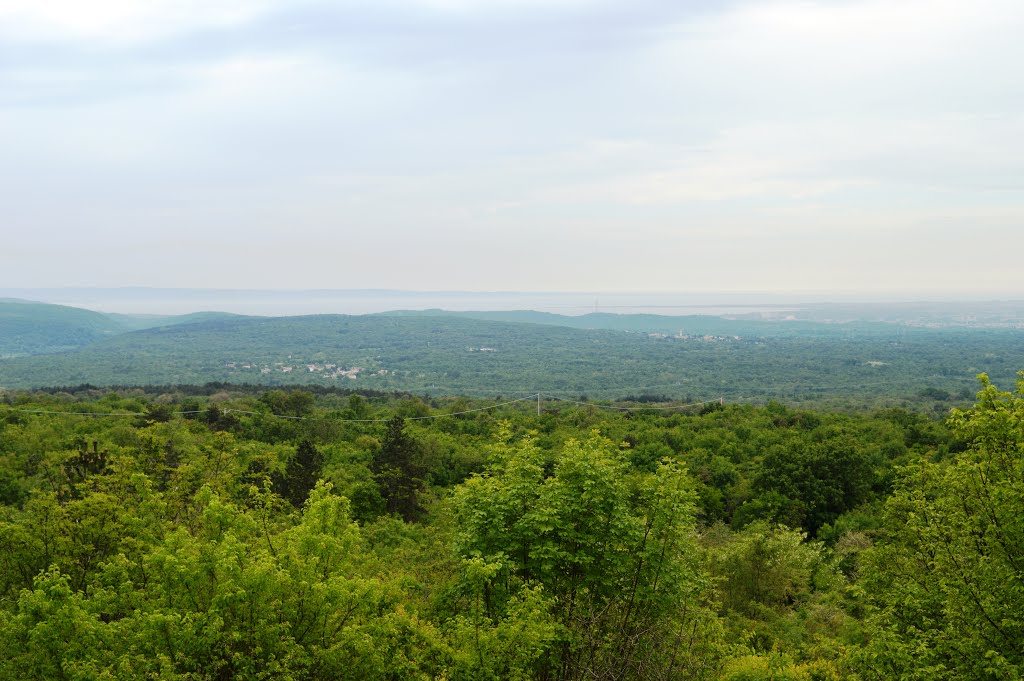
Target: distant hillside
{"type": "Point", "coordinates": [31, 328]}
{"type": "Point", "coordinates": [457, 354]}
{"type": "Point", "coordinates": [690, 325]}
{"type": "Point", "coordinates": [137, 322]}
{"type": "Point", "coordinates": [28, 328]}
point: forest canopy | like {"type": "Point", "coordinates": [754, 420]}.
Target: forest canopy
{"type": "Point", "coordinates": [237, 534]}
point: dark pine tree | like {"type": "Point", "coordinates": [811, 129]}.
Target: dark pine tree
{"type": "Point", "coordinates": [396, 468]}
{"type": "Point", "coordinates": [301, 474]}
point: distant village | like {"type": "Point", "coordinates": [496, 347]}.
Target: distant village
{"type": "Point", "coordinates": [685, 336]}
{"type": "Point", "coordinates": [323, 370]}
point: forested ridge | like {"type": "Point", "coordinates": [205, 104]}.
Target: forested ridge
{"type": "Point", "coordinates": [833, 365]}
{"type": "Point", "coordinates": [190, 533]}
{"type": "Point", "coordinates": [31, 328]}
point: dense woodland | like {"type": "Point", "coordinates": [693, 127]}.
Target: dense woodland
{"type": "Point", "coordinates": [276, 533]}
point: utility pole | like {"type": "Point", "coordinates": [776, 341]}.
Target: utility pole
{"type": "Point", "coordinates": [538, 404]}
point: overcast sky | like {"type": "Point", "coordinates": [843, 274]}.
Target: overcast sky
{"type": "Point", "coordinates": [866, 146]}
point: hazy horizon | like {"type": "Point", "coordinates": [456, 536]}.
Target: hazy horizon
{"type": "Point", "coordinates": [286, 302]}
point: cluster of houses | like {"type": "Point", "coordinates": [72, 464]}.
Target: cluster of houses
{"type": "Point", "coordinates": [707, 338]}
{"type": "Point", "coordinates": [326, 370]}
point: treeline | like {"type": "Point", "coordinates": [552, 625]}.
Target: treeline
{"type": "Point", "coordinates": [223, 533]}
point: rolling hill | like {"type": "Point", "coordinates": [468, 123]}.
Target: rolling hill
{"type": "Point", "coordinates": [456, 354]}
{"type": "Point", "coordinates": [29, 328]}
{"type": "Point", "coordinates": [32, 328]}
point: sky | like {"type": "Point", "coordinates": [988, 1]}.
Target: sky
{"type": "Point", "coordinates": [868, 147]}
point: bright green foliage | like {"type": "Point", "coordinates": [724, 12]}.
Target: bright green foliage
{"type": "Point", "coordinates": [947, 581]}
{"type": "Point", "coordinates": [782, 602]}
{"type": "Point", "coordinates": [612, 550]}
{"type": "Point", "coordinates": [288, 403]}
{"type": "Point", "coordinates": [779, 667]}
{"type": "Point", "coordinates": [511, 645]}
{"type": "Point", "coordinates": [765, 567]}
{"type": "Point", "coordinates": [810, 483]}
{"type": "Point", "coordinates": [53, 635]}
{"type": "Point", "coordinates": [540, 549]}
{"type": "Point", "coordinates": [226, 595]}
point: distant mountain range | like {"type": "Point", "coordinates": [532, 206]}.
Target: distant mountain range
{"type": "Point", "coordinates": [33, 328]}
{"type": "Point", "coordinates": [819, 307]}
{"type": "Point", "coordinates": [511, 352]}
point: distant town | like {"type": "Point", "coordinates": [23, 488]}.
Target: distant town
{"type": "Point", "coordinates": [328, 370]}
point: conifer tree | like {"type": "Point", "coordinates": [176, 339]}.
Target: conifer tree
{"type": "Point", "coordinates": [301, 474]}
{"type": "Point", "coordinates": [398, 472]}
